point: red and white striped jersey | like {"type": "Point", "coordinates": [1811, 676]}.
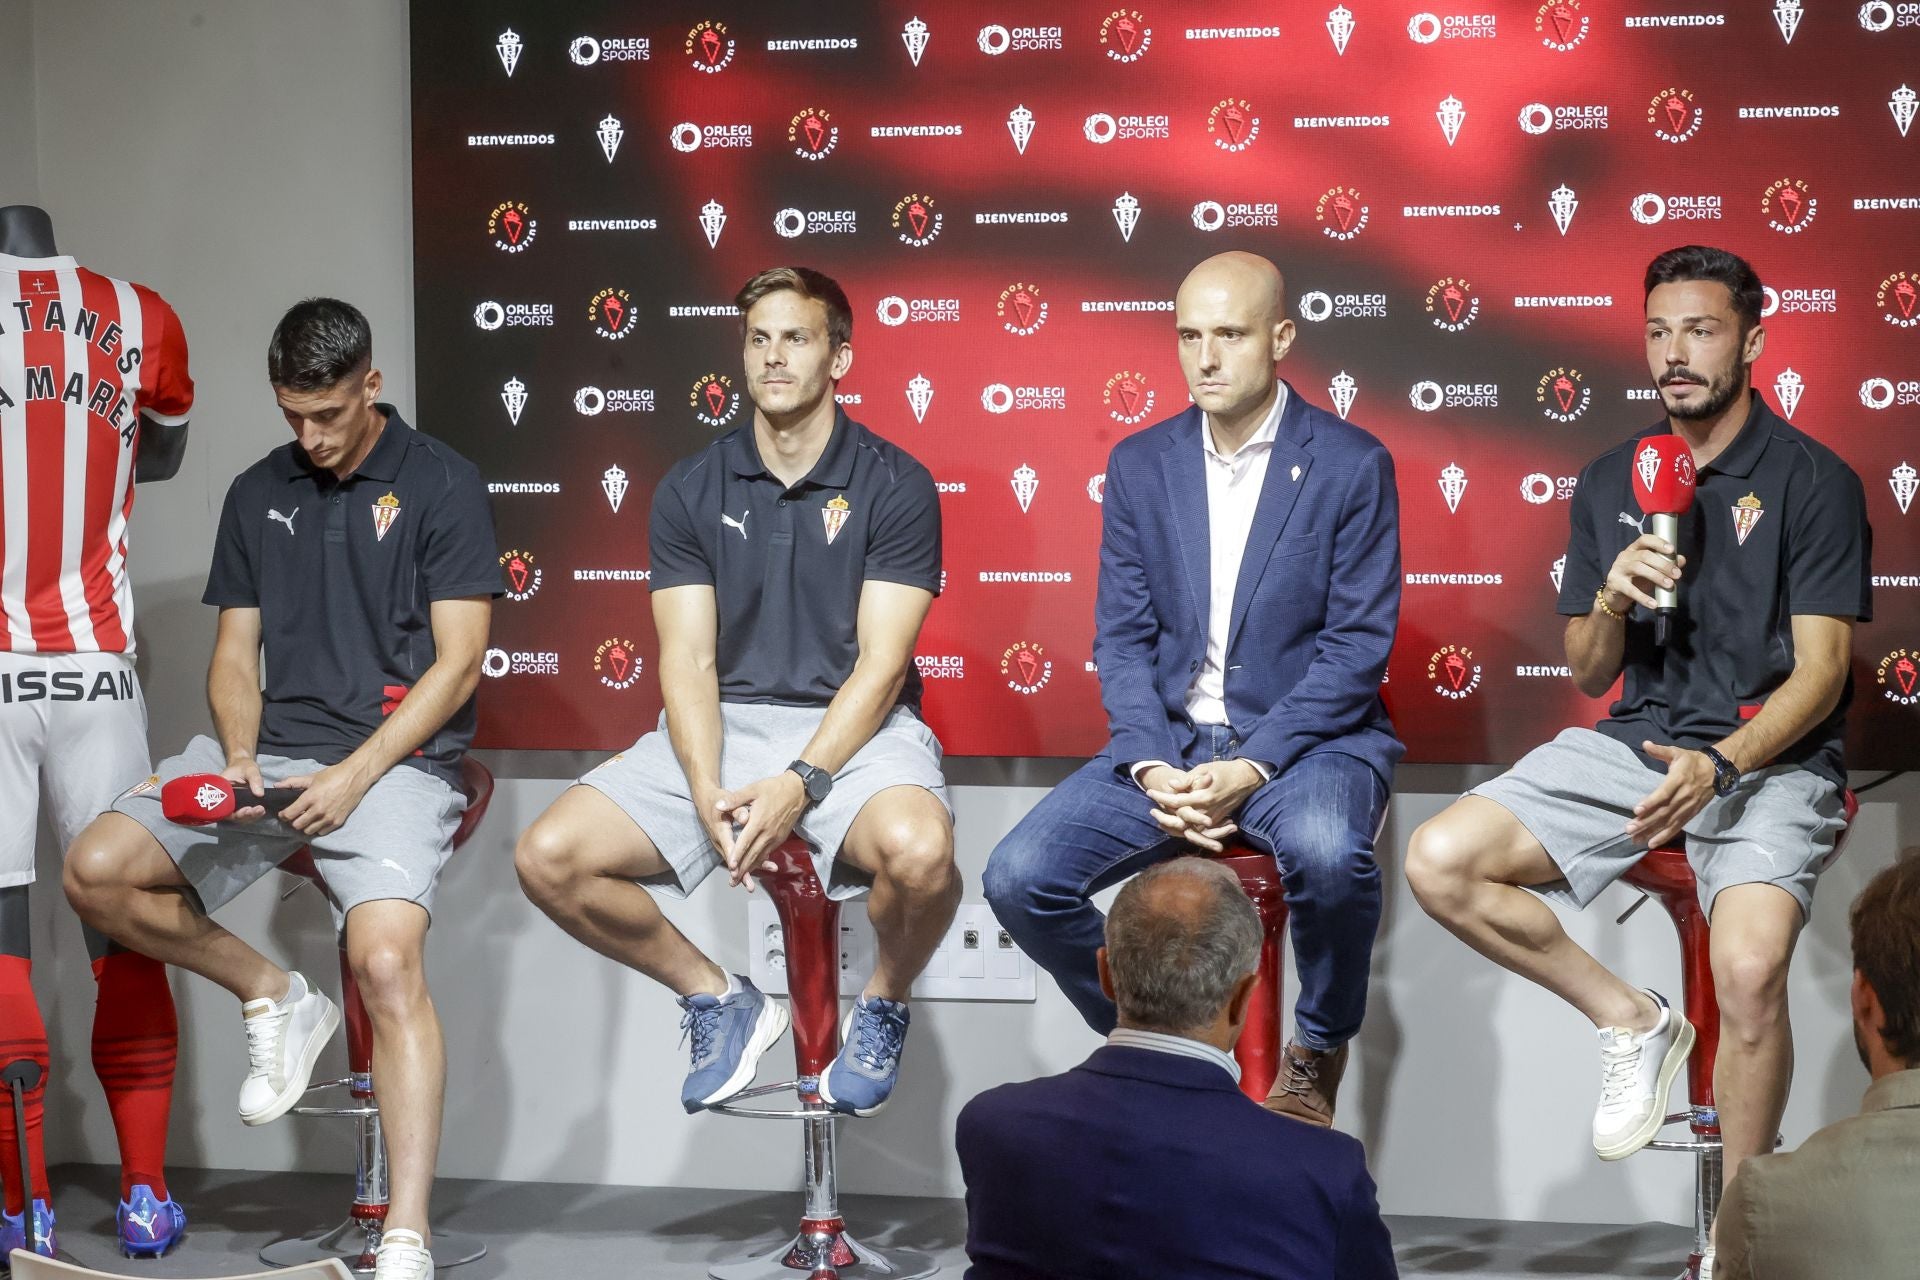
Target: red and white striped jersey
{"type": "Point", "coordinates": [82, 356]}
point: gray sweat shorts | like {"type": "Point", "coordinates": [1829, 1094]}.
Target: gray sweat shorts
{"type": "Point", "coordinates": [757, 741]}
{"type": "Point", "coordinates": [1576, 795]}
{"type": "Point", "coordinates": [391, 847]}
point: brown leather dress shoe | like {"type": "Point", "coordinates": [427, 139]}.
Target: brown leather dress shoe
{"type": "Point", "coordinates": [1308, 1083]}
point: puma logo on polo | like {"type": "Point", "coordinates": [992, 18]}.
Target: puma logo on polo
{"type": "Point", "coordinates": [740, 524]}
{"type": "Point", "coordinates": [286, 520]}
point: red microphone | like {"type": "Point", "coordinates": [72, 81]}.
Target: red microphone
{"type": "Point", "coordinates": [1663, 485]}
{"type": "Point", "coordinates": [198, 799]}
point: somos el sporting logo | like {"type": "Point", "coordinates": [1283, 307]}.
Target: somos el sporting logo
{"type": "Point", "coordinates": [1026, 667]}
{"type": "Point", "coordinates": [1674, 115]}
{"type": "Point", "coordinates": [1789, 206]}
{"type": "Point", "coordinates": [1021, 309]}
{"type": "Point", "coordinates": [713, 400]}
{"type": "Point", "coordinates": [1899, 677]}
{"type": "Point", "coordinates": [1127, 397]}
{"type": "Point", "coordinates": [1125, 35]}
{"type": "Point", "coordinates": [1232, 124]}
{"type": "Point", "coordinates": [612, 314]}
{"type": "Point", "coordinates": [1341, 213]}
{"type": "Point", "coordinates": [512, 226]}
{"type": "Point", "coordinates": [1898, 299]}
{"type": "Point", "coordinates": [617, 663]}
{"type": "Point", "coordinates": [1560, 24]}
{"type": "Point", "coordinates": [1452, 304]}
{"type": "Point", "coordinates": [1452, 672]}
{"type": "Point", "coordinates": [523, 576]}
{"type": "Point", "coordinates": [1563, 394]}
{"type": "Point", "coordinates": [812, 134]}
{"type": "Point", "coordinates": [916, 221]}
{"type": "Point", "coordinates": [709, 47]}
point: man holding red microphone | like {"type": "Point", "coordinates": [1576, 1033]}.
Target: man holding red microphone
{"type": "Point", "coordinates": [1731, 620]}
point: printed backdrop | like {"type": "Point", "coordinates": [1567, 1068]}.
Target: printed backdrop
{"type": "Point", "coordinates": [1463, 199]}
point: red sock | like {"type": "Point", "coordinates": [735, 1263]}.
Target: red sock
{"type": "Point", "coordinates": [136, 1040]}
{"type": "Point", "coordinates": [22, 1035]}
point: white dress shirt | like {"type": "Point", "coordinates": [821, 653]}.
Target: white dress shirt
{"type": "Point", "coordinates": [1233, 492]}
{"type": "Point", "coordinates": [1160, 1042]}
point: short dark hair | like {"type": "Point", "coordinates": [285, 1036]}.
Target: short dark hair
{"type": "Point", "coordinates": [317, 343]}
{"type": "Point", "coordinates": [1885, 924]}
{"type": "Point", "coordinates": [1703, 262]}
{"type": "Point", "coordinates": [808, 283]}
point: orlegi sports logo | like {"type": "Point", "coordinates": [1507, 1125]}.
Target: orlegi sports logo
{"type": "Point", "coordinates": [1232, 124]}
{"type": "Point", "coordinates": [512, 226]}
{"type": "Point", "coordinates": [1317, 306]}
{"type": "Point", "coordinates": [1674, 115]}
{"type": "Point", "coordinates": [995, 39]}
{"type": "Point", "coordinates": [523, 576]}
{"type": "Point", "coordinates": [1101, 128]}
{"type": "Point", "coordinates": [1824, 302]}
{"type": "Point", "coordinates": [587, 50]}
{"type": "Point", "coordinates": [812, 134]}
{"type": "Point", "coordinates": [1426, 28]}
{"type": "Point", "coordinates": [617, 663]}
{"type": "Point", "coordinates": [688, 136]}
{"type": "Point", "coordinates": [1538, 117]}
{"type": "Point", "coordinates": [713, 399]}
{"type": "Point", "coordinates": [1563, 394]}
{"type": "Point", "coordinates": [1429, 396]}
{"type": "Point", "coordinates": [1125, 35]}
{"type": "Point", "coordinates": [612, 313]}
{"type": "Point", "coordinates": [1128, 397]}
{"type": "Point", "coordinates": [1452, 304]}
{"type": "Point", "coordinates": [1341, 213]}
{"type": "Point", "coordinates": [998, 398]}
{"type": "Point", "coordinates": [916, 221]}
{"type": "Point", "coordinates": [591, 402]}
{"type": "Point", "coordinates": [1898, 299]}
{"type": "Point", "coordinates": [1899, 677]}
{"type": "Point", "coordinates": [1650, 207]}
{"type": "Point", "coordinates": [940, 666]}
{"type": "Point", "coordinates": [1025, 666]}
{"type": "Point", "coordinates": [1560, 24]}
{"type": "Point", "coordinates": [1453, 672]}
{"type": "Point", "coordinates": [521, 662]}
{"type": "Point", "coordinates": [1211, 215]}
{"type": "Point", "coordinates": [1789, 205]}
{"type": "Point", "coordinates": [531, 315]}
{"type": "Point", "coordinates": [709, 47]}
{"type": "Point", "coordinates": [894, 310]}
{"type": "Point", "coordinates": [1021, 309]}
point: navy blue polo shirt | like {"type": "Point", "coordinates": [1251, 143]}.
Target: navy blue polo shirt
{"type": "Point", "coordinates": [787, 565]}
{"type": "Point", "coordinates": [343, 572]}
{"type": "Point", "coordinates": [1778, 527]}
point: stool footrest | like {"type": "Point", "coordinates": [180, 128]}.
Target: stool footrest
{"type": "Point", "coordinates": [353, 1243]}
{"type": "Point", "coordinates": [351, 1113]}
{"type": "Point", "coordinates": [829, 1253]}
{"type": "Point", "coordinates": [805, 1089]}
{"type": "Point", "coordinates": [1684, 1144]}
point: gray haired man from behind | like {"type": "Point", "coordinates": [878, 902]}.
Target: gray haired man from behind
{"type": "Point", "coordinates": [1146, 1160]}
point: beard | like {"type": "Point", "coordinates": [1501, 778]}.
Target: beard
{"type": "Point", "coordinates": [1860, 1046]}
{"type": "Point", "coordinates": [1720, 393]}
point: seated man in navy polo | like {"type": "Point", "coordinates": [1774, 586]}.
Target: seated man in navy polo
{"type": "Point", "coordinates": [794, 560]}
{"type": "Point", "coordinates": [1249, 591]}
{"type": "Point", "coordinates": [359, 559]}
{"type": "Point", "coordinates": [1730, 732]}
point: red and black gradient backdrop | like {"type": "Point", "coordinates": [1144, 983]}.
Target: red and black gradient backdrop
{"type": "Point", "coordinates": [1463, 198]}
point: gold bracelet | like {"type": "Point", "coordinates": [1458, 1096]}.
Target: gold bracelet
{"type": "Point", "coordinates": [1600, 598]}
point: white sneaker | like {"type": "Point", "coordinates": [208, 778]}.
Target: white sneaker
{"type": "Point", "coordinates": [402, 1255]}
{"type": "Point", "coordinates": [1706, 1265]}
{"type": "Point", "coordinates": [284, 1040]}
{"type": "Point", "coordinates": [1636, 1071]}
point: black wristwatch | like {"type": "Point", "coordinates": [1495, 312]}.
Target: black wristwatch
{"type": "Point", "coordinates": [818, 782]}
{"type": "Point", "coordinates": [1725, 776]}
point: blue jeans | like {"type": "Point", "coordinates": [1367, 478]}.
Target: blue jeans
{"type": "Point", "coordinates": [1095, 829]}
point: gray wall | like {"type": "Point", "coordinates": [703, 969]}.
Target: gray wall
{"type": "Point", "coordinates": [19, 174]}
{"type": "Point", "coordinates": [238, 154]}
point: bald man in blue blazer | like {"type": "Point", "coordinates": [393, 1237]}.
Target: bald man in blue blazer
{"type": "Point", "coordinates": [1249, 592]}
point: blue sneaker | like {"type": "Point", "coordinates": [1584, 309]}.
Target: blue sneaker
{"type": "Point", "coordinates": [860, 1079]}
{"type": "Point", "coordinates": [149, 1226]}
{"type": "Point", "coordinates": [729, 1034]}
{"type": "Point", "coordinates": [13, 1232]}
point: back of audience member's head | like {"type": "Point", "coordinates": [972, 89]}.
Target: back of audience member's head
{"type": "Point", "coordinates": [1180, 936]}
{"type": "Point", "coordinates": [1886, 956]}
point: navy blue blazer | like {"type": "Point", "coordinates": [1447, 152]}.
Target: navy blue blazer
{"type": "Point", "coordinates": [1314, 608]}
{"type": "Point", "coordinates": [1149, 1164]}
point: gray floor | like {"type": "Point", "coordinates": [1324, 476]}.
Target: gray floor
{"type": "Point", "coordinates": [624, 1233]}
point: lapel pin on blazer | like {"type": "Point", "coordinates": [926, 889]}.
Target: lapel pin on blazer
{"type": "Point", "coordinates": [1296, 471]}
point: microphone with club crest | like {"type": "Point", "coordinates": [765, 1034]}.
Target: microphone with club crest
{"type": "Point", "coordinates": [199, 799]}
{"type": "Point", "coordinates": [1663, 479]}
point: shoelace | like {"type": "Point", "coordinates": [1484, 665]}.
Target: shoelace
{"type": "Point", "coordinates": [1298, 1075]}
{"type": "Point", "coordinates": [263, 1040]}
{"type": "Point", "coordinates": [701, 1025]}
{"type": "Point", "coordinates": [880, 1037]}
{"type": "Point", "coordinates": [1620, 1069]}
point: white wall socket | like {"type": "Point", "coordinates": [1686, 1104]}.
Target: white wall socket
{"type": "Point", "coordinates": [977, 960]}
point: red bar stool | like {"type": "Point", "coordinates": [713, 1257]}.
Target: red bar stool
{"type": "Point", "coordinates": [1664, 874]}
{"type": "Point", "coordinates": [354, 1241]}
{"type": "Point", "coordinates": [810, 922]}
{"type": "Point", "coordinates": [1258, 1049]}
